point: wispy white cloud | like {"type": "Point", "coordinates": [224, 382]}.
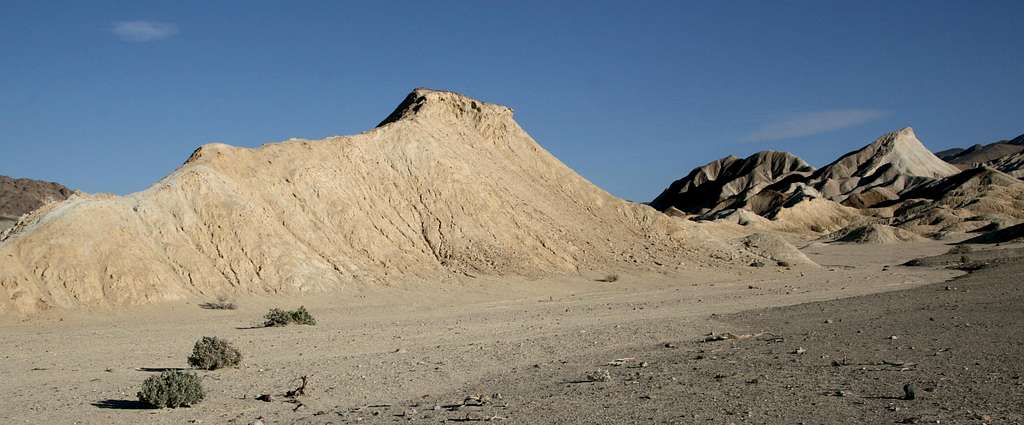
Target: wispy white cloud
{"type": "Point", "coordinates": [811, 123]}
{"type": "Point", "coordinates": [143, 31]}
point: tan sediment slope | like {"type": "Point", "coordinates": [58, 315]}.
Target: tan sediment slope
{"type": "Point", "coordinates": [876, 234]}
{"type": "Point", "coordinates": [815, 215]}
{"type": "Point", "coordinates": [445, 186]}
{"type": "Point", "coordinates": [775, 248]}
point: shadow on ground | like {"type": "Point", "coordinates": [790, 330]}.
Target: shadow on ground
{"type": "Point", "coordinates": [122, 404]}
{"type": "Point", "coordinates": [159, 369]}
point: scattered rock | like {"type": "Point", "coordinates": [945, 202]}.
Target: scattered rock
{"type": "Point", "coordinates": [712, 337]}
{"type": "Point", "coordinates": [599, 375]}
{"type": "Point", "coordinates": [620, 362]}
{"type": "Point", "coordinates": [909, 392]}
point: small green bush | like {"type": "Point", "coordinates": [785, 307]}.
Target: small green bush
{"type": "Point", "coordinates": [278, 317]}
{"type": "Point", "coordinates": [172, 389]}
{"type": "Point", "coordinates": [212, 353]}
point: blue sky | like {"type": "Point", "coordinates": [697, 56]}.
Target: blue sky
{"type": "Point", "coordinates": [111, 96]}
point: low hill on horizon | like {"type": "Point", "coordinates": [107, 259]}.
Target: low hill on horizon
{"type": "Point", "coordinates": [1005, 155]}
{"type": "Point", "coordinates": [20, 196]}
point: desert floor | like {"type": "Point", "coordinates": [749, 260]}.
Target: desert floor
{"type": "Point", "coordinates": [520, 351]}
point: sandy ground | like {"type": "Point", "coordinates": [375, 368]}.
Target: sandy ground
{"type": "Point", "coordinates": [417, 351]}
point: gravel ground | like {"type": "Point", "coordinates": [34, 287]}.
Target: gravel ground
{"type": "Point", "coordinates": [531, 352]}
{"type": "Point", "coordinates": [959, 344]}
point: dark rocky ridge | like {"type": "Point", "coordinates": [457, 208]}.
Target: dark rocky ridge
{"type": "Point", "coordinates": [722, 183]}
{"type": "Point", "coordinates": [21, 196]}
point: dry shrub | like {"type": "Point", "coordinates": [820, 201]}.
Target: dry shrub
{"type": "Point", "coordinates": [222, 303]}
{"type": "Point", "coordinates": [212, 353]}
{"type": "Point", "coordinates": [171, 389]}
{"type": "Point", "coordinates": [278, 317]}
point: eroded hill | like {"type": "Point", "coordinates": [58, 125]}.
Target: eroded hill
{"type": "Point", "coordinates": [446, 186]}
{"type": "Point", "coordinates": [894, 181]}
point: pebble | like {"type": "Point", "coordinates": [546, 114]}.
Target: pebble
{"type": "Point", "coordinates": [909, 392]}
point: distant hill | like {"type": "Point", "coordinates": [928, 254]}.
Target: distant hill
{"type": "Point", "coordinates": [980, 154]}
{"type": "Point", "coordinates": [892, 183]}
{"type": "Point", "coordinates": [729, 182]}
{"type": "Point", "coordinates": [1005, 155]}
{"type": "Point", "coordinates": [21, 196]}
